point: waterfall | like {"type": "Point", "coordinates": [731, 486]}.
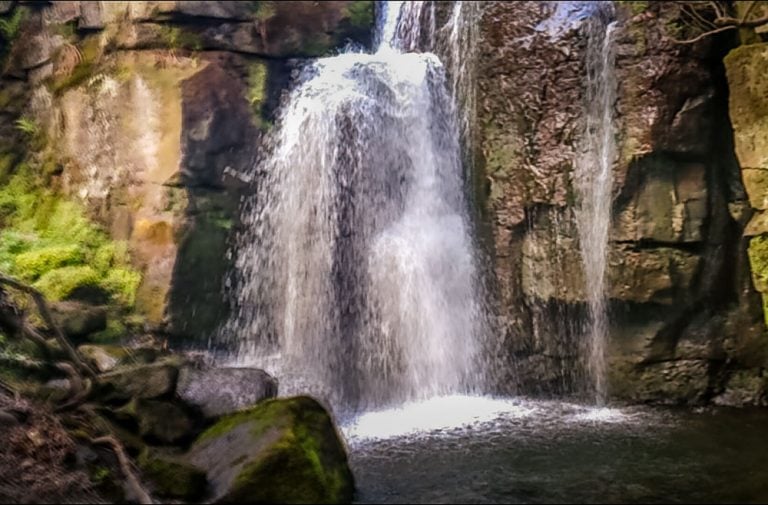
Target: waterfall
{"type": "Point", "coordinates": [593, 178]}
{"type": "Point", "coordinates": [356, 276]}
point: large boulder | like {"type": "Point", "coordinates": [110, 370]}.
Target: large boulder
{"type": "Point", "coordinates": [283, 451]}
{"type": "Point", "coordinates": [221, 391]}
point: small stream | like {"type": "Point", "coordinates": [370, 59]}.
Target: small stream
{"type": "Point", "coordinates": [480, 450]}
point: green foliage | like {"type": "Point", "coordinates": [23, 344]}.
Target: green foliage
{"type": "Point", "coordinates": [177, 38]}
{"type": "Point", "coordinates": [9, 27]}
{"type": "Point", "coordinates": [39, 261]}
{"type": "Point", "coordinates": [26, 125]}
{"type": "Point", "coordinates": [114, 331]}
{"type": "Point", "coordinates": [123, 284]}
{"type": "Point", "coordinates": [50, 241]}
{"type": "Point", "coordinates": [637, 7]}
{"type": "Point", "coordinates": [58, 284]}
{"type": "Point", "coordinates": [100, 474]}
{"type": "Point", "coordinates": [264, 10]}
{"type": "Point", "coordinates": [361, 13]}
{"type": "Point", "coordinates": [758, 261]}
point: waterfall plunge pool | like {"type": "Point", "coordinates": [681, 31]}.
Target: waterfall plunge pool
{"type": "Point", "coordinates": [462, 449]}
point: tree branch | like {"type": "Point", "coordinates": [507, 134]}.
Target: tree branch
{"type": "Point", "coordinates": [703, 35]}
{"type": "Point", "coordinates": [132, 481]}
{"type": "Point", "coordinates": [45, 313]}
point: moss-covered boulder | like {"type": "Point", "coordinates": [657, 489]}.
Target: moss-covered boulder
{"type": "Point", "coordinates": [171, 477]}
{"type": "Point", "coordinates": [78, 320]}
{"type": "Point", "coordinates": [282, 451]}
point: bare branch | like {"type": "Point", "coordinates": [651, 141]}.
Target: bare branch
{"type": "Point", "coordinates": [42, 307]}
{"type": "Point", "coordinates": [132, 481]}
{"type": "Point", "coordinates": [703, 35]}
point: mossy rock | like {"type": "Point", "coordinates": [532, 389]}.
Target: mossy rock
{"type": "Point", "coordinates": [142, 382]}
{"type": "Point", "coordinates": [78, 320]}
{"type": "Point", "coordinates": [172, 477]}
{"type": "Point", "coordinates": [163, 422]}
{"type": "Point", "coordinates": [282, 451]}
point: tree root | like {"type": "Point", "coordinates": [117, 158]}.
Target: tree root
{"type": "Point", "coordinates": [131, 480]}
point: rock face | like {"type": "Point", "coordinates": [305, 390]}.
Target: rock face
{"type": "Point", "coordinates": [676, 264]}
{"type": "Point", "coordinates": [283, 451]}
{"type": "Point", "coordinates": [221, 391]}
{"type": "Point", "coordinates": [150, 114]}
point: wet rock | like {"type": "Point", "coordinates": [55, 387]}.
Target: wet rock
{"type": "Point", "coordinates": [222, 391]}
{"type": "Point", "coordinates": [282, 451]}
{"type": "Point", "coordinates": [745, 387]}
{"type": "Point", "coordinates": [681, 382]}
{"type": "Point", "coordinates": [552, 267]}
{"type": "Point", "coordinates": [143, 382]}
{"type": "Point", "coordinates": [78, 320]}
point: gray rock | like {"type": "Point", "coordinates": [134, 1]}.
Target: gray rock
{"type": "Point", "coordinates": [221, 391]}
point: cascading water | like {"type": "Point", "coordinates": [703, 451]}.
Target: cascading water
{"type": "Point", "coordinates": [593, 179]}
{"type": "Point", "coordinates": [357, 279]}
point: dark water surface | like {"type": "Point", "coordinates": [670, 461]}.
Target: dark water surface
{"type": "Point", "coordinates": [479, 450]}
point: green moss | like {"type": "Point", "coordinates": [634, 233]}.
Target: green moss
{"type": "Point", "coordinates": [304, 463]}
{"type": "Point", "coordinates": [114, 332]}
{"type": "Point", "coordinates": [758, 261]}
{"type": "Point", "coordinates": [39, 261]}
{"type": "Point", "coordinates": [257, 84]}
{"type": "Point", "coordinates": [263, 10]}
{"type": "Point", "coordinates": [360, 13]}
{"type": "Point", "coordinates": [171, 477]}
{"type": "Point", "coordinates": [177, 38]}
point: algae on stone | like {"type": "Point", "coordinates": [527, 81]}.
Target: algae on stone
{"type": "Point", "coordinates": [282, 451]}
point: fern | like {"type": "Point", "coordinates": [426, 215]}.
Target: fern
{"type": "Point", "coordinates": [26, 125]}
{"type": "Point", "coordinates": [9, 27]}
